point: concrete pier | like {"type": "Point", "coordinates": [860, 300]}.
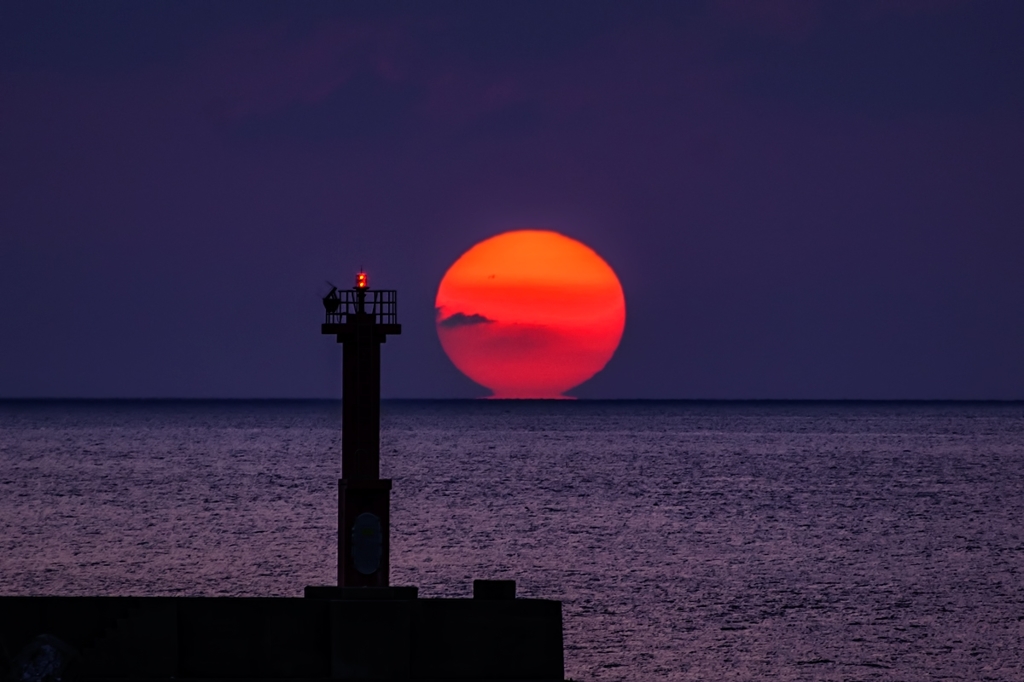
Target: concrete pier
{"type": "Point", "coordinates": [333, 633]}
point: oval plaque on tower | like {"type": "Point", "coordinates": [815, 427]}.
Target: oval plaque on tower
{"type": "Point", "coordinates": [367, 543]}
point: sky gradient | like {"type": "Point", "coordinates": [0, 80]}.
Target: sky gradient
{"type": "Point", "coordinates": [801, 199]}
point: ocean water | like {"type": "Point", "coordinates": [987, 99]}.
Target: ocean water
{"type": "Point", "coordinates": [687, 541]}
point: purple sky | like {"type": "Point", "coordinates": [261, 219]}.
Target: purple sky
{"type": "Point", "coordinates": [802, 199]}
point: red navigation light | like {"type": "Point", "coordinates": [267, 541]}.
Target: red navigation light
{"type": "Point", "coordinates": [361, 281]}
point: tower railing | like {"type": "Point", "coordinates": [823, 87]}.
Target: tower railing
{"type": "Point", "coordinates": [382, 304]}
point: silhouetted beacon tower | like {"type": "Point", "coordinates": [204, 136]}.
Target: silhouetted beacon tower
{"type": "Point", "coordinates": [362, 318]}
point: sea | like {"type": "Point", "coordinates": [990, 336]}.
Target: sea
{"type": "Point", "coordinates": [686, 540]}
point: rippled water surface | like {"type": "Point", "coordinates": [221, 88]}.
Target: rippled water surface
{"type": "Point", "coordinates": [688, 541]}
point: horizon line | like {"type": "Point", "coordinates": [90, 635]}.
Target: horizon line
{"type": "Point", "coordinates": [492, 400]}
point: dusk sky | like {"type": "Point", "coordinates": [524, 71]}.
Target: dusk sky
{"type": "Point", "coordinates": [801, 199]}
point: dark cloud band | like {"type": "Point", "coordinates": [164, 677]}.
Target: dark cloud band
{"type": "Point", "coordinates": [463, 320]}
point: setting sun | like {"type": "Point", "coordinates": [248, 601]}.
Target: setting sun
{"type": "Point", "coordinates": [530, 314]}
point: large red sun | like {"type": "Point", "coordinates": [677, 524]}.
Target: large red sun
{"type": "Point", "coordinates": [530, 314]}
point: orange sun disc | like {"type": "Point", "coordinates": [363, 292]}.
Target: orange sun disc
{"type": "Point", "coordinates": [530, 314]}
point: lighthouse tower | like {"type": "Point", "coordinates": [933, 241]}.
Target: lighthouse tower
{"type": "Point", "coordinates": [362, 318]}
